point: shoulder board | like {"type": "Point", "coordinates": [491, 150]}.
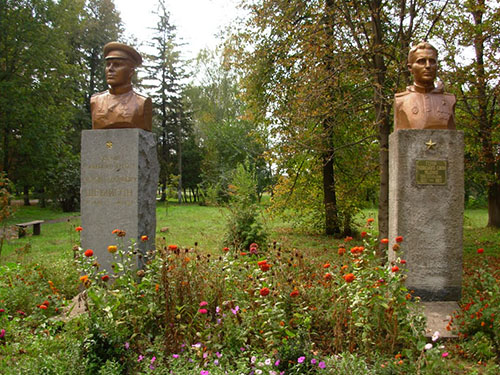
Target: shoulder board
{"type": "Point", "coordinates": [140, 94]}
{"type": "Point", "coordinates": [99, 93]}
{"type": "Point", "coordinates": [400, 94]}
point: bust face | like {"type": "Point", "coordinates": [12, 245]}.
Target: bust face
{"type": "Point", "coordinates": [424, 67]}
{"type": "Point", "coordinates": [119, 72]}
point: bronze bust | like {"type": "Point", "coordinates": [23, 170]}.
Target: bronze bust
{"type": "Point", "coordinates": [120, 106]}
{"type": "Point", "coordinates": [424, 105]}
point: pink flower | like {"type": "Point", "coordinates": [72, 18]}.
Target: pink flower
{"type": "Point", "coordinates": [203, 303]}
{"type": "Point", "coordinates": [204, 372]}
{"type": "Point", "coordinates": [203, 311]}
{"type": "Point", "coordinates": [445, 354]}
{"type": "Point", "coordinates": [322, 365]}
{"type": "Point", "coordinates": [2, 333]}
{"type": "Point", "coordinates": [301, 359]}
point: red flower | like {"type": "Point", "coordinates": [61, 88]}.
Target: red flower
{"type": "Point", "coordinates": [144, 238]}
{"type": "Point", "coordinates": [203, 311]}
{"type": "Point", "coordinates": [395, 269]}
{"type": "Point", "coordinates": [384, 241]}
{"type": "Point", "coordinates": [2, 310]}
{"type": "Point", "coordinates": [261, 262]}
{"type": "Point", "coordinates": [105, 278]}
{"type": "Point", "coordinates": [399, 239]}
{"type": "Point", "coordinates": [327, 276]}
{"type": "Point", "coordinates": [294, 293]}
{"type": "Point", "coordinates": [480, 250]}
{"type": "Point", "coordinates": [363, 234]}
{"type": "Point", "coordinates": [347, 239]}
{"type": "Point", "coordinates": [78, 229]}
{"type": "Point", "coordinates": [243, 253]}
{"type": "Point", "coordinates": [341, 250]}
{"type": "Point", "coordinates": [370, 220]}
{"type": "Point", "coordinates": [225, 249]}
{"type": "Point", "coordinates": [403, 261]}
{"type": "Point", "coordinates": [349, 278]}
{"type": "Point", "coordinates": [172, 247]}
{"type": "Point", "coordinates": [264, 291]}
{"type": "Point", "coordinates": [88, 253]}
{"type": "Point", "coordinates": [43, 307]}
{"type": "Point", "coordinates": [326, 265]}
{"type": "Point", "coordinates": [265, 267]}
{"type": "Point", "coordinates": [46, 303]}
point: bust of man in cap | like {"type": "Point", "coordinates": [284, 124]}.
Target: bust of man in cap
{"type": "Point", "coordinates": [424, 105]}
{"type": "Point", "coordinates": [120, 106]}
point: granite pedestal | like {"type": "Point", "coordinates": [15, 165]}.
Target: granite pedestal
{"type": "Point", "coordinates": [119, 179]}
{"type": "Point", "coordinates": [426, 203]}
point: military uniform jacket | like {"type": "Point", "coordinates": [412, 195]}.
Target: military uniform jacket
{"type": "Point", "coordinates": [417, 109]}
{"type": "Point", "coordinates": [124, 110]}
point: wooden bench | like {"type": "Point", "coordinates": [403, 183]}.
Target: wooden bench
{"type": "Point", "coordinates": [21, 228]}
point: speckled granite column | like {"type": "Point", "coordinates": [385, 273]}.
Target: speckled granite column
{"type": "Point", "coordinates": [119, 178]}
{"type": "Point", "coordinates": [426, 205]}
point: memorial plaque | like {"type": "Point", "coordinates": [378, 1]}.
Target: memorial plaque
{"type": "Point", "coordinates": [431, 172]}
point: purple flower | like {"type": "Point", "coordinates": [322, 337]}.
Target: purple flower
{"type": "Point", "coordinates": [322, 364]}
{"type": "Point", "coordinates": [216, 362]}
{"type": "Point", "coordinates": [197, 345]}
{"type": "Point", "coordinates": [217, 309]}
{"type": "Point", "coordinates": [175, 355]}
{"type": "Point", "coordinates": [218, 354]}
{"type": "Point", "coordinates": [313, 361]}
{"type": "Point", "coordinates": [301, 359]}
{"type": "Point", "coordinates": [204, 372]}
{"type": "Point", "coordinates": [153, 359]}
{"type": "Point", "coordinates": [277, 363]}
{"type": "Point", "coordinates": [141, 357]}
{"type": "Point", "coordinates": [235, 310]}
{"type": "Point", "coordinates": [127, 345]}
{"type": "Point", "coordinates": [205, 355]}
{"type": "Point", "coordinates": [151, 367]}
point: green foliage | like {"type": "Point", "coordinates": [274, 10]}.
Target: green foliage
{"type": "Point", "coordinates": [63, 185]}
{"type": "Point", "coordinates": [244, 226]}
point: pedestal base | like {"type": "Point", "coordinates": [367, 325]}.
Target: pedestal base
{"type": "Point", "coordinates": [426, 202]}
{"type": "Point", "coordinates": [119, 179]}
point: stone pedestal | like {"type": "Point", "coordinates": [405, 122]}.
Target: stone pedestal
{"type": "Point", "coordinates": [426, 203]}
{"type": "Point", "coordinates": [119, 179]}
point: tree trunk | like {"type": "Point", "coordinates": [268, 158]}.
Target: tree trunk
{"type": "Point", "coordinates": [179, 160]}
{"type": "Point", "coordinates": [494, 205]}
{"type": "Point", "coordinates": [26, 195]}
{"type": "Point", "coordinates": [330, 199]}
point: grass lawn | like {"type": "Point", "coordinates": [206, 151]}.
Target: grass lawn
{"type": "Point", "coordinates": [191, 225]}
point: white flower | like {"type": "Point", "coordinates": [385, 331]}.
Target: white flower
{"type": "Point", "coordinates": [253, 359]}
{"type": "Point", "coordinates": [428, 346]}
{"type": "Point", "coordinates": [267, 361]}
{"type": "Point", "coordinates": [435, 336]}
{"type": "Point", "coordinates": [258, 372]}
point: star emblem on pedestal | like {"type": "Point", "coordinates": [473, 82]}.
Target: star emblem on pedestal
{"type": "Point", "coordinates": [430, 144]}
{"type": "Point", "coordinates": [109, 144]}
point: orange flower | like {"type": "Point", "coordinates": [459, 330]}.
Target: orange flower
{"type": "Point", "coordinates": [349, 278]}
{"type": "Point", "coordinates": [395, 269]}
{"type": "Point", "coordinates": [326, 265]}
{"type": "Point", "coordinates": [84, 278]}
{"type": "Point", "coordinates": [243, 253]}
{"type": "Point", "coordinates": [112, 249]}
{"type": "Point", "coordinates": [88, 253]}
{"type": "Point", "coordinates": [264, 291]}
{"type": "Point", "coordinates": [115, 231]}
{"type": "Point", "coordinates": [157, 287]}
{"type": "Point", "coordinates": [384, 241]}
{"type": "Point", "coordinates": [341, 250]}
{"type": "Point", "coordinates": [78, 229]}
{"type": "Point", "coordinates": [225, 249]}
{"type": "Point", "coordinates": [344, 267]}
{"type": "Point", "coordinates": [121, 233]}
{"type": "Point", "coordinates": [261, 262]}
{"type": "Point", "coordinates": [399, 239]}
{"type": "Point", "coordinates": [294, 293]}
{"type": "Point", "coordinates": [105, 278]}
{"type": "Point", "coordinates": [144, 238]}
{"type": "Point", "coordinates": [43, 307]}
{"type": "Point", "coordinates": [396, 247]}
{"type": "Point", "coordinates": [370, 220]}
{"type": "Point", "coordinates": [327, 276]}
{"type": "Point", "coordinates": [172, 247]}
{"type": "Point", "coordinates": [347, 239]}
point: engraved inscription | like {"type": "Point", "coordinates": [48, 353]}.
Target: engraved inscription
{"type": "Point", "coordinates": [431, 172]}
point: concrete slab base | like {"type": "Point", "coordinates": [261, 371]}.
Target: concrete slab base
{"type": "Point", "coordinates": [438, 314]}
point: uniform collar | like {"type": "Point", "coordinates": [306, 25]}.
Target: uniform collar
{"type": "Point", "coordinates": [120, 90]}
{"type": "Point", "coordinates": [438, 89]}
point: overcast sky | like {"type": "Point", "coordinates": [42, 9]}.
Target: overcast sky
{"type": "Point", "coordinates": [197, 21]}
